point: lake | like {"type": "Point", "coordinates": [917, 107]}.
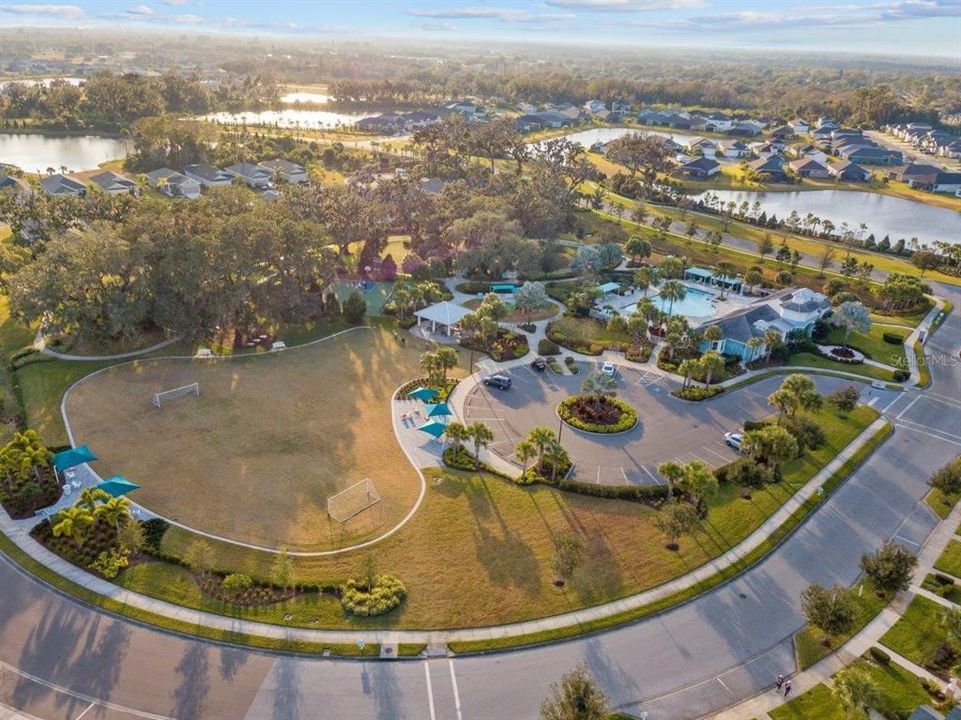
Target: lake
{"type": "Point", "coordinates": [306, 119]}
{"type": "Point", "coordinates": [604, 135]}
{"type": "Point", "coordinates": [883, 214]}
{"type": "Point", "coordinates": [35, 153]}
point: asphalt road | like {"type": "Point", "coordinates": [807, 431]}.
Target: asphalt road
{"type": "Point", "coordinates": [707, 654]}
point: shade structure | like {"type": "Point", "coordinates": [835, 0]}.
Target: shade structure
{"type": "Point", "coordinates": [423, 393]}
{"type": "Point", "coordinates": [117, 485]}
{"type": "Point", "coordinates": [73, 457]}
{"type": "Point", "coordinates": [433, 428]}
{"type": "Point", "coordinates": [439, 410]}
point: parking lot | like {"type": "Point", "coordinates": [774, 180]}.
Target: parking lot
{"type": "Point", "coordinates": [668, 428]}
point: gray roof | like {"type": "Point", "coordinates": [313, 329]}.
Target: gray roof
{"type": "Point", "coordinates": [108, 179]}
{"type": "Point", "coordinates": [701, 163]}
{"type": "Point", "coordinates": [926, 712]}
{"type": "Point", "coordinates": [847, 166]}
{"type": "Point", "coordinates": [739, 326]}
{"type": "Point", "coordinates": [804, 301]}
{"type": "Point", "coordinates": [248, 170]}
{"type": "Point", "coordinates": [772, 164]}
{"type": "Point", "coordinates": [207, 172]}
{"type": "Point", "coordinates": [281, 165]}
{"type": "Point", "coordinates": [61, 185]}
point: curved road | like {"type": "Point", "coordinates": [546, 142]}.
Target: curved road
{"type": "Point", "coordinates": [722, 647]}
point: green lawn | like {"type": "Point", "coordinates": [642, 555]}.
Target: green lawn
{"type": "Point", "coordinates": [899, 690]}
{"type": "Point", "coordinates": [816, 361]}
{"type": "Point", "coordinates": [872, 344]}
{"type": "Point", "coordinates": [908, 320]}
{"type": "Point", "coordinates": [939, 502]}
{"type": "Point", "coordinates": [813, 644]}
{"type": "Point", "coordinates": [950, 592]}
{"type": "Point", "coordinates": [918, 633]}
{"type": "Point", "coordinates": [924, 374]}
{"type": "Point", "coordinates": [950, 560]}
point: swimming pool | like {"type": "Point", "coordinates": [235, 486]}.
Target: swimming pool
{"type": "Point", "coordinates": [696, 304]}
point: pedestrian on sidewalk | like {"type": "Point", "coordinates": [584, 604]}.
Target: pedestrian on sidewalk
{"type": "Point", "coordinates": [780, 681]}
{"type": "Point", "coordinates": [787, 689]}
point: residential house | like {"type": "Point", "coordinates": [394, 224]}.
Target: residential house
{"type": "Point", "coordinates": [763, 149]}
{"type": "Point", "coordinates": [870, 155]}
{"type": "Point", "coordinates": [113, 183]}
{"type": "Point", "coordinates": [810, 152]}
{"type": "Point", "coordinates": [253, 176]}
{"type": "Point", "coordinates": [605, 115]}
{"type": "Point", "coordinates": [800, 126]}
{"type": "Point", "coordinates": [782, 132]}
{"type": "Point", "coordinates": [208, 175]}
{"type": "Point", "coordinates": [386, 123]}
{"type": "Point", "coordinates": [59, 185]}
{"type": "Point", "coordinates": [822, 134]}
{"type": "Point", "coordinates": [916, 175]}
{"type": "Point", "coordinates": [620, 108]}
{"type": "Point", "coordinates": [926, 712]}
{"type": "Point", "coordinates": [595, 106]}
{"type": "Point", "coordinates": [848, 171]}
{"type": "Point", "coordinates": [14, 185]}
{"type": "Point", "coordinates": [286, 171]}
{"type": "Point", "coordinates": [746, 128]}
{"type": "Point", "coordinates": [701, 145]}
{"type": "Point", "coordinates": [770, 168]}
{"type": "Point", "coordinates": [528, 123]}
{"type": "Point", "coordinates": [172, 183]}
{"type": "Point", "coordinates": [719, 122]}
{"type": "Point", "coordinates": [807, 168]}
{"type": "Point", "coordinates": [827, 122]}
{"type": "Point", "coordinates": [699, 169]}
{"type": "Point", "coordinates": [947, 182]}
{"type": "Point", "coordinates": [785, 312]}
{"type": "Point", "coordinates": [554, 119]}
{"type": "Point", "coordinates": [736, 149]}
{"type": "Point", "coordinates": [527, 108]}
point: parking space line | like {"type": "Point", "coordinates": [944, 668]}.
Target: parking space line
{"type": "Point", "coordinates": [653, 477]}
{"type": "Point", "coordinates": [430, 692]}
{"type": "Point", "coordinates": [928, 393]}
{"type": "Point", "coordinates": [892, 403]}
{"type": "Point", "coordinates": [624, 473]}
{"type": "Point", "coordinates": [932, 428]}
{"type": "Point", "coordinates": [89, 708]}
{"type": "Point", "coordinates": [905, 540]}
{"type": "Point", "coordinates": [910, 405]}
{"type": "Point", "coordinates": [698, 457]}
{"type": "Point", "coordinates": [955, 404]}
{"type": "Point", "coordinates": [453, 682]}
{"type": "Point", "coordinates": [907, 425]}
{"type": "Point", "coordinates": [714, 452]}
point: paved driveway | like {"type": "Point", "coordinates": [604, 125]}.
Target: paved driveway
{"type": "Point", "coordinates": [668, 428]}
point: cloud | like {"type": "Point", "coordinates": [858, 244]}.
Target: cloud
{"type": "Point", "coordinates": [438, 26]}
{"type": "Point", "coordinates": [625, 6]}
{"type": "Point", "coordinates": [490, 13]}
{"type": "Point", "coordinates": [187, 19]}
{"type": "Point", "coordinates": [142, 10]}
{"type": "Point", "coordinates": [175, 2]}
{"type": "Point", "coordinates": [64, 11]}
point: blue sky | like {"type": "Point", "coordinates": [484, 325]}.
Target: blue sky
{"type": "Point", "coordinates": [892, 27]}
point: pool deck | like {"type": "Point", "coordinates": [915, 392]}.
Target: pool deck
{"type": "Point", "coordinates": [730, 303]}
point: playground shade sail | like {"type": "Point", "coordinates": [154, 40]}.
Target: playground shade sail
{"type": "Point", "coordinates": [117, 485]}
{"type": "Point", "coordinates": [433, 428]}
{"type": "Point", "coordinates": [439, 410]}
{"type": "Point", "coordinates": [423, 393]}
{"type": "Point", "coordinates": [73, 457]}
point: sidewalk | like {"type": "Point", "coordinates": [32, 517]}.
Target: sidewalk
{"type": "Point", "coordinates": [822, 671]}
{"type": "Point", "coordinates": [19, 534]}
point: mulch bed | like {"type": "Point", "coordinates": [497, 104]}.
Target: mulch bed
{"type": "Point", "coordinates": [602, 412]}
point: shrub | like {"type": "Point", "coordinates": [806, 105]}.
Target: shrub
{"type": "Point", "coordinates": [235, 583]}
{"type": "Point", "coordinates": [627, 420]}
{"type": "Point", "coordinates": [892, 338]}
{"type": "Point", "coordinates": [554, 366]}
{"type": "Point", "coordinates": [648, 494]}
{"type": "Point", "coordinates": [355, 308]}
{"type": "Point", "coordinates": [944, 656]}
{"type": "Point", "coordinates": [547, 347]}
{"type": "Point", "coordinates": [407, 323]}
{"type": "Point", "coordinates": [358, 597]}
{"type": "Point", "coordinates": [153, 533]}
{"type": "Point", "coordinates": [901, 375]}
{"type": "Point", "coordinates": [879, 656]}
{"type": "Point", "coordinates": [110, 563]}
{"type": "Point", "coordinates": [696, 392]}
{"type": "Point", "coordinates": [750, 425]}
{"type": "Point", "coordinates": [807, 432]}
{"type": "Point", "coordinates": [745, 472]}
{"type": "Point", "coordinates": [571, 365]}
{"type": "Point", "coordinates": [639, 354]}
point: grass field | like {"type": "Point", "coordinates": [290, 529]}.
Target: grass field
{"type": "Point", "coordinates": [255, 457]}
{"type": "Point", "coordinates": [816, 361]}
{"type": "Point", "coordinates": [950, 560]}
{"type": "Point", "coordinates": [479, 549]}
{"type": "Point", "coordinates": [939, 502]}
{"type": "Point", "coordinates": [918, 633]}
{"type": "Point", "coordinates": [872, 344]}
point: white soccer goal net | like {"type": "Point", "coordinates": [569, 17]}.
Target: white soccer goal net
{"type": "Point", "coordinates": [358, 497]}
{"type": "Point", "coordinates": [168, 395]}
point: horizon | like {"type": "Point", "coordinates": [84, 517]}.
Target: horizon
{"type": "Point", "coordinates": [885, 28]}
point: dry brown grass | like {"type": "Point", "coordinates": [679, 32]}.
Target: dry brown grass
{"type": "Point", "coordinates": [255, 457]}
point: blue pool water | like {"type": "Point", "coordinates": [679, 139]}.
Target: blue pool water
{"type": "Point", "coordinates": [696, 304]}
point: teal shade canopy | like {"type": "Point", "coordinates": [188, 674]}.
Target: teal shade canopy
{"type": "Point", "coordinates": [433, 428]}
{"type": "Point", "coordinates": [423, 393]}
{"type": "Point", "coordinates": [117, 485]}
{"type": "Point", "coordinates": [73, 457]}
{"type": "Point", "coordinates": [439, 410]}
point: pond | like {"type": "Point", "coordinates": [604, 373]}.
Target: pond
{"type": "Point", "coordinates": [36, 153]}
{"type": "Point", "coordinates": [603, 135]}
{"type": "Point", "coordinates": [883, 214]}
{"type": "Point", "coordinates": [306, 119]}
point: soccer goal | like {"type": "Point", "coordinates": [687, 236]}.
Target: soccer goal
{"type": "Point", "coordinates": [168, 395]}
{"type": "Point", "coordinates": [347, 503]}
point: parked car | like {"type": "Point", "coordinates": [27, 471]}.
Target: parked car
{"type": "Point", "coordinates": [539, 364]}
{"type": "Point", "coordinates": [501, 382]}
{"type": "Point", "coordinates": [734, 440]}
{"type": "Point", "coordinates": [609, 368]}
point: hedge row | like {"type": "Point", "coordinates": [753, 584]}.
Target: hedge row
{"type": "Point", "coordinates": [627, 420]}
{"type": "Point", "coordinates": [648, 494]}
{"type": "Point", "coordinates": [697, 392]}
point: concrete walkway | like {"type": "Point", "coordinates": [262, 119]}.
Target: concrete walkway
{"type": "Point", "coordinates": [825, 669]}
{"type": "Point", "coordinates": [19, 534]}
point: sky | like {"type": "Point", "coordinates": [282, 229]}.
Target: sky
{"type": "Point", "coordinates": [887, 27]}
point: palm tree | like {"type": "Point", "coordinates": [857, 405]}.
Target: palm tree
{"type": "Point", "coordinates": [711, 363]}
{"type": "Point", "coordinates": [726, 270]}
{"type": "Point", "coordinates": [457, 433]}
{"type": "Point", "coordinates": [673, 472]}
{"type": "Point", "coordinates": [525, 451]}
{"type": "Point", "coordinates": [73, 523]}
{"type": "Point", "coordinates": [687, 368]}
{"type": "Point", "coordinates": [713, 334]}
{"type": "Point", "coordinates": [89, 497]}
{"type": "Point", "coordinates": [672, 291]}
{"type": "Point", "coordinates": [114, 511]}
{"type": "Point", "coordinates": [481, 436]}
{"type": "Point", "coordinates": [598, 386]}
{"type": "Point", "coordinates": [754, 344]}
{"type": "Point", "coordinates": [541, 437]}
{"type": "Point", "coordinates": [446, 360]}
{"type": "Point", "coordinates": [557, 456]}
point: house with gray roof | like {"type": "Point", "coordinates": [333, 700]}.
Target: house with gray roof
{"type": "Point", "coordinates": [771, 168]}
{"type": "Point", "coordinates": [848, 171]}
{"type": "Point", "coordinates": [809, 168]}
{"type": "Point", "coordinates": [113, 183]}
{"type": "Point", "coordinates": [60, 185]}
{"type": "Point", "coordinates": [253, 176]}
{"type": "Point", "coordinates": [286, 171]}
{"type": "Point", "coordinates": [698, 169]}
{"type": "Point", "coordinates": [208, 175]}
{"type": "Point", "coordinates": [174, 184]}
{"type": "Point", "coordinates": [785, 312]}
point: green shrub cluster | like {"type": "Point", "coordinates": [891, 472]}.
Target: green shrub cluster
{"type": "Point", "coordinates": [547, 347]}
{"type": "Point", "coordinates": [647, 494]}
{"type": "Point", "coordinates": [554, 366]}
{"type": "Point", "coordinates": [638, 353]}
{"type": "Point", "coordinates": [572, 365]}
{"type": "Point", "coordinates": [367, 600]}
{"type": "Point", "coordinates": [627, 420]}
{"type": "Point", "coordinates": [697, 392]}
{"type": "Point", "coordinates": [892, 338]}
{"type": "Point", "coordinates": [110, 562]}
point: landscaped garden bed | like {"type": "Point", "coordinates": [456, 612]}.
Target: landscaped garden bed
{"type": "Point", "coordinates": [27, 480]}
{"type": "Point", "coordinates": [585, 335]}
{"type": "Point", "coordinates": [506, 345]}
{"type": "Point", "coordinates": [597, 414]}
{"type": "Point", "coordinates": [443, 389]}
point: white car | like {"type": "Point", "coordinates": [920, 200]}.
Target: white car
{"type": "Point", "coordinates": [609, 368]}
{"type": "Point", "coordinates": [734, 440]}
